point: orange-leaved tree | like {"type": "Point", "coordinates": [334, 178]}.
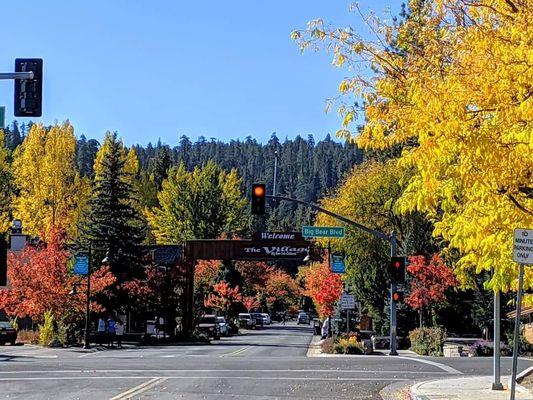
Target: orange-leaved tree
{"type": "Point", "coordinates": [323, 287]}
{"type": "Point", "coordinates": [40, 281]}
{"type": "Point", "coordinates": [431, 279]}
{"type": "Point", "coordinates": [225, 299]}
{"type": "Point", "coordinates": [250, 302]}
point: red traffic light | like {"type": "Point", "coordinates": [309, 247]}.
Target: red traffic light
{"type": "Point", "coordinates": [259, 191]}
{"type": "Point", "coordinates": [258, 198]}
{"type": "Point", "coordinates": [397, 269]}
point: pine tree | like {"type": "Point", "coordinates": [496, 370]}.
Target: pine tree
{"type": "Point", "coordinates": [112, 223]}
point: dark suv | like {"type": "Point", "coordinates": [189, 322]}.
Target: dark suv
{"type": "Point", "coordinates": [209, 325]}
{"type": "Point", "coordinates": [8, 334]}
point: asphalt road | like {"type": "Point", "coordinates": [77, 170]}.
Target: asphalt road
{"type": "Point", "coordinates": [265, 364]}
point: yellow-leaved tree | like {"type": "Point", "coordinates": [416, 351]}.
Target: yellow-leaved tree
{"type": "Point", "coordinates": [6, 186]}
{"type": "Point", "coordinates": [452, 85]}
{"type": "Point", "coordinates": [51, 192]}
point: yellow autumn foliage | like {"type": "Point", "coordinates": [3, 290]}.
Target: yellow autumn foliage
{"type": "Point", "coordinates": [51, 192]}
{"type": "Point", "coordinates": [456, 93]}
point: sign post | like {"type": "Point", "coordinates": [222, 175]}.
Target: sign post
{"type": "Point", "coordinates": [523, 254]}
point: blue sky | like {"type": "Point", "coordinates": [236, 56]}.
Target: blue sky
{"type": "Point", "coordinates": [161, 68]}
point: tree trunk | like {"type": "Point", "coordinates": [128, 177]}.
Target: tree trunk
{"type": "Point", "coordinates": [421, 315]}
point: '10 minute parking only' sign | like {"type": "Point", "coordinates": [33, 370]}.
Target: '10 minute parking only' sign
{"type": "Point", "coordinates": [523, 246]}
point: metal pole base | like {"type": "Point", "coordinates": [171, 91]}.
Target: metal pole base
{"type": "Point", "coordinates": [393, 353]}
{"type": "Point", "coordinates": [86, 346]}
{"type": "Point", "coordinates": [497, 386]}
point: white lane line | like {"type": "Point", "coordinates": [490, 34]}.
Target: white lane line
{"type": "Point", "coordinates": [444, 367]}
{"type": "Point", "coordinates": [96, 371]}
{"type": "Point", "coordinates": [134, 391]}
{"type": "Point", "coordinates": [267, 378]}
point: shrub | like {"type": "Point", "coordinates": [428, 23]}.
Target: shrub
{"type": "Point", "coordinates": [344, 344]}
{"type": "Point", "coordinates": [327, 345]}
{"type": "Point", "coordinates": [427, 341]}
{"type": "Point", "coordinates": [348, 346]}
{"type": "Point", "coordinates": [28, 337]}
{"type": "Point", "coordinates": [47, 335]}
{"type": "Point", "coordinates": [482, 348]}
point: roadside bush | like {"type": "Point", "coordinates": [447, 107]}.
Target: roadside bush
{"type": "Point", "coordinates": [28, 337]}
{"type": "Point", "coordinates": [327, 345]}
{"type": "Point", "coordinates": [47, 335]}
{"type": "Point", "coordinates": [344, 344]}
{"type": "Point", "coordinates": [427, 341]}
{"type": "Point", "coordinates": [482, 348]}
{"type": "Point", "coordinates": [348, 346]}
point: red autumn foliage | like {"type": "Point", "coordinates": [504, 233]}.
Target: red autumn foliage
{"type": "Point", "coordinates": [206, 272]}
{"type": "Point", "coordinates": [224, 299]}
{"type": "Point", "coordinates": [323, 286]}
{"type": "Point", "coordinates": [39, 281]}
{"type": "Point", "coordinates": [430, 281]}
{"type": "Point", "coordinates": [255, 274]}
{"type": "Point", "coordinates": [250, 302]}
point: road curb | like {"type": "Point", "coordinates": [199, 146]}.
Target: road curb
{"type": "Point", "coordinates": [416, 394]}
{"type": "Point", "coordinates": [313, 349]}
{"type": "Point", "coordinates": [393, 391]}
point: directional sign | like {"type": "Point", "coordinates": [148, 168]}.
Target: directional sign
{"type": "Point", "coordinates": [81, 264]}
{"type": "Point", "coordinates": [347, 301]}
{"type": "Point", "coordinates": [323, 231]}
{"type": "Point", "coordinates": [523, 246]}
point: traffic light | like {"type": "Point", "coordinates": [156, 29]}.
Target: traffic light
{"type": "Point", "coordinates": [29, 92]}
{"type": "Point", "coordinates": [397, 269]}
{"type": "Point", "coordinates": [3, 262]}
{"type": "Point", "coordinates": [397, 297]}
{"type": "Point", "coordinates": [258, 198]}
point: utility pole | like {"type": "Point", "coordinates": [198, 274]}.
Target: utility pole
{"type": "Point", "coordinates": [275, 172]}
{"type": "Point", "coordinates": [496, 384]}
{"type": "Point", "coordinates": [393, 322]}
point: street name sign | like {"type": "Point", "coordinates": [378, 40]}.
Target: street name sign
{"type": "Point", "coordinates": [323, 231]}
{"type": "Point", "coordinates": [81, 264]}
{"type": "Point", "coordinates": [523, 246]}
{"type": "Point", "coordinates": [337, 264]}
{"type": "Point", "coordinates": [347, 301]}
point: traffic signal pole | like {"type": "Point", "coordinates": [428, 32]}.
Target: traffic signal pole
{"type": "Point", "coordinates": [16, 75]}
{"type": "Point", "coordinates": [393, 320]}
{"type": "Point", "coordinates": [388, 238]}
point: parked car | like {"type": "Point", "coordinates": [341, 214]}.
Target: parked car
{"type": "Point", "coordinates": [303, 318]}
{"type": "Point", "coordinates": [266, 319]}
{"type": "Point", "coordinates": [258, 319]}
{"type": "Point", "coordinates": [8, 334]}
{"type": "Point", "coordinates": [223, 326]}
{"type": "Point", "coordinates": [246, 321]}
{"type": "Point", "coordinates": [209, 325]}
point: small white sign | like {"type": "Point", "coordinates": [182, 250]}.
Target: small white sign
{"type": "Point", "coordinates": [523, 246]}
{"type": "Point", "coordinates": [347, 301]}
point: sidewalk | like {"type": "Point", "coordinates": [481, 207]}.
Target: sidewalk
{"type": "Point", "coordinates": [472, 388]}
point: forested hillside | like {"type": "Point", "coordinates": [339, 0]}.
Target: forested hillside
{"type": "Point", "coordinates": [306, 170]}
